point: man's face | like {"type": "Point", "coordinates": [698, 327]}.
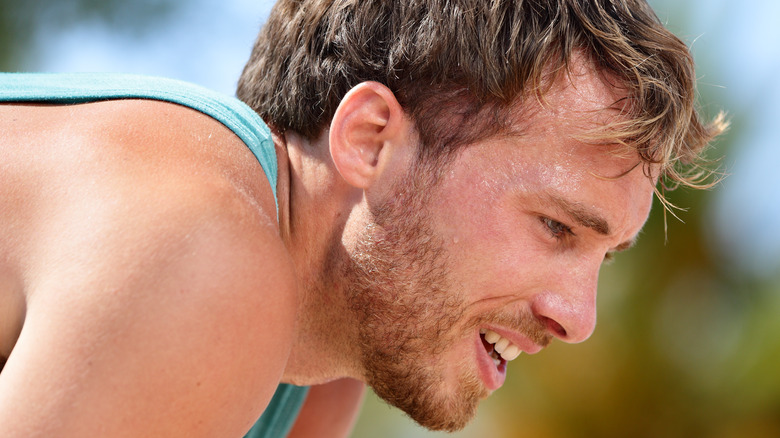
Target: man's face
{"type": "Point", "coordinates": [503, 248]}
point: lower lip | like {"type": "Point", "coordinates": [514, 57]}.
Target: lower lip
{"type": "Point", "coordinates": [492, 376]}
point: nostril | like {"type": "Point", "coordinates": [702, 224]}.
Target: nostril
{"type": "Point", "coordinates": [554, 327]}
{"type": "Point", "coordinates": [571, 319]}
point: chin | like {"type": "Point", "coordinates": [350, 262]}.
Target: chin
{"type": "Point", "coordinates": [426, 399]}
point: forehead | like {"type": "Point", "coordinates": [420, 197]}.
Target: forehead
{"type": "Point", "coordinates": [581, 98]}
{"type": "Point", "coordinates": [571, 117]}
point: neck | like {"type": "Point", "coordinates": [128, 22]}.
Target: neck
{"type": "Point", "coordinates": [311, 220]}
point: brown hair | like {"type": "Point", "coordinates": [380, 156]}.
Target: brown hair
{"type": "Point", "coordinates": [456, 67]}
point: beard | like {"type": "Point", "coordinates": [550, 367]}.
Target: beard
{"type": "Point", "coordinates": [409, 312]}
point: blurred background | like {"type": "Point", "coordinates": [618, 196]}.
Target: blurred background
{"type": "Point", "coordinates": [688, 340]}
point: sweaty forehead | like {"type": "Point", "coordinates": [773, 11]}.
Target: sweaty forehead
{"type": "Point", "coordinates": [581, 96]}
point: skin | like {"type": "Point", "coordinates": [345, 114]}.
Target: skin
{"type": "Point", "coordinates": [141, 265]}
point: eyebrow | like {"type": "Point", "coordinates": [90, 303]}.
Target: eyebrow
{"type": "Point", "coordinates": [582, 215]}
{"type": "Point", "coordinates": [588, 218]}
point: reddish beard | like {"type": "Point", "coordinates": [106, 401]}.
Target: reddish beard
{"type": "Point", "coordinates": [409, 315]}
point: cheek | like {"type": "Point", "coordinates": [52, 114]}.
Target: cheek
{"type": "Point", "coordinates": [467, 202]}
{"type": "Point", "coordinates": [494, 250]}
{"type": "Point", "coordinates": [493, 247]}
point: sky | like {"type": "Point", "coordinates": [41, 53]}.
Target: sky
{"type": "Point", "coordinates": [734, 44]}
{"type": "Point", "coordinates": [204, 41]}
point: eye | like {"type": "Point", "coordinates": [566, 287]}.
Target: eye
{"type": "Point", "coordinates": [558, 230]}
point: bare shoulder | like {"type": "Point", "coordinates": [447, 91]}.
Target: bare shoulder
{"type": "Point", "coordinates": [160, 299]}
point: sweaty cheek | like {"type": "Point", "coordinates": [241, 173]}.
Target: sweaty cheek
{"type": "Point", "coordinates": [501, 257]}
{"type": "Point", "coordinates": [464, 212]}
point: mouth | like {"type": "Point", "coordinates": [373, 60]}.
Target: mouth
{"type": "Point", "coordinates": [498, 351]}
{"type": "Point", "coordinates": [499, 348]}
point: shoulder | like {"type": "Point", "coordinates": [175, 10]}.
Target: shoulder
{"type": "Point", "coordinates": [169, 197]}
{"type": "Point", "coordinates": [157, 170]}
{"type": "Point", "coordinates": [155, 258]}
{"type": "Point", "coordinates": [152, 170]}
{"type": "Point", "coordinates": [130, 183]}
{"type": "Point", "coordinates": [159, 183]}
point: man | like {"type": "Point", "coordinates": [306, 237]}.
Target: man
{"type": "Point", "coordinates": [451, 175]}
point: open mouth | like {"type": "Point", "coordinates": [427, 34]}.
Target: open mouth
{"type": "Point", "coordinates": [500, 349]}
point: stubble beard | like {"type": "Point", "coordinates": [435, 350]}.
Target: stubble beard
{"type": "Point", "coordinates": [409, 313]}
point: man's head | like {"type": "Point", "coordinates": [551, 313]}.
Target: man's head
{"type": "Point", "coordinates": [506, 241]}
{"type": "Point", "coordinates": [468, 64]}
{"type": "Point", "coordinates": [539, 130]}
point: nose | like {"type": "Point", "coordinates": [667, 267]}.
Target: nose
{"type": "Point", "coordinates": [568, 307]}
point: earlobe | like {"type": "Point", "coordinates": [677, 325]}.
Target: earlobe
{"type": "Point", "coordinates": [367, 123]}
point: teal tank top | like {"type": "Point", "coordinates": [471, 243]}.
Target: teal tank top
{"type": "Point", "coordinates": [72, 88]}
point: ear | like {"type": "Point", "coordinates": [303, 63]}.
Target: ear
{"type": "Point", "coordinates": [366, 127]}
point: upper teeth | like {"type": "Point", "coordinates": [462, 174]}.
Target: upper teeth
{"type": "Point", "coordinates": [501, 345]}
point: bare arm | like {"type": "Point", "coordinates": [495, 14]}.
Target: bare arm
{"type": "Point", "coordinates": [330, 410]}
